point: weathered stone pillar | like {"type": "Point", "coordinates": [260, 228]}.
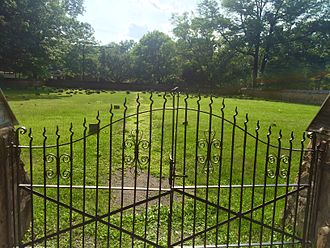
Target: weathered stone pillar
{"type": "Point", "coordinates": [6, 228]}
{"type": "Point", "coordinates": [320, 216]}
{"type": "Point", "coordinates": [12, 173]}
{"type": "Point", "coordinates": [315, 170]}
{"type": "Point", "coordinates": [322, 208]}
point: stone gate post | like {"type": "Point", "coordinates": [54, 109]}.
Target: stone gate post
{"type": "Point", "coordinates": [6, 225]}
{"type": "Point", "coordinates": [9, 169]}
{"type": "Point", "coordinates": [320, 217]}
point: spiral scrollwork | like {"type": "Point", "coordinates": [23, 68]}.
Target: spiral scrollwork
{"type": "Point", "coordinates": [207, 145]}
{"type": "Point", "coordinates": [21, 130]}
{"type": "Point", "coordinates": [137, 149]}
{"type": "Point", "coordinates": [278, 166]}
{"type": "Point", "coordinates": [57, 160]}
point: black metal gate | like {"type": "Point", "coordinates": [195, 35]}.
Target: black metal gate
{"type": "Point", "coordinates": [174, 172]}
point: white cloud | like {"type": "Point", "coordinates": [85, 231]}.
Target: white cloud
{"type": "Point", "coordinates": [115, 20]}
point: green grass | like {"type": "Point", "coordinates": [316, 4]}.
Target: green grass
{"type": "Point", "coordinates": [50, 108]}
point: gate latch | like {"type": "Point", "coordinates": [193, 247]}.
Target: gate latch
{"type": "Point", "coordinates": [172, 170]}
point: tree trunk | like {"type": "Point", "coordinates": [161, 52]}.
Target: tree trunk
{"type": "Point", "coordinates": [255, 65]}
{"type": "Point", "coordinates": [267, 48]}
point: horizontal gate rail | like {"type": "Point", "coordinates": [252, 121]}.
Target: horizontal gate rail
{"type": "Point", "coordinates": [28, 186]}
{"type": "Point", "coordinates": [242, 245]}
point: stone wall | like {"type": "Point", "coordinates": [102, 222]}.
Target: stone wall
{"type": "Point", "coordinates": [19, 83]}
{"type": "Point", "coordinates": [295, 96]}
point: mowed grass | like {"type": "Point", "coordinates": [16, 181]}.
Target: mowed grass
{"type": "Point", "coordinates": [232, 153]}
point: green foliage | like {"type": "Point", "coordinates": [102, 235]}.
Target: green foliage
{"type": "Point", "coordinates": [155, 59]}
{"type": "Point", "coordinates": [268, 43]}
{"type": "Point", "coordinates": [116, 61]}
{"type": "Point", "coordinates": [243, 38]}
{"type": "Point", "coordinates": [36, 36]}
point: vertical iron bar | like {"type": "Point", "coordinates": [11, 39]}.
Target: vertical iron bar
{"type": "Point", "coordinates": [287, 185]}
{"type": "Point", "coordinates": [97, 178]}
{"type": "Point", "coordinates": [110, 173]}
{"type": "Point", "coordinates": [265, 185]}
{"type": "Point", "coordinates": [122, 173]}
{"type": "Point", "coordinates": [175, 116]}
{"type": "Point", "coordinates": [31, 185]}
{"type": "Point", "coordinates": [161, 166]}
{"type": "Point", "coordinates": [254, 179]}
{"type": "Point", "coordinates": [208, 162]}
{"type": "Point", "coordinates": [196, 167]}
{"type": "Point", "coordinates": [184, 165]}
{"type": "Point", "coordinates": [277, 176]}
{"type": "Point", "coordinates": [71, 178]}
{"type": "Point", "coordinates": [16, 165]}
{"type": "Point", "coordinates": [231, 174]}
{"type": "Point", "coordinates": [45, 188]}
{"type": "Point", "coordinates": [149, 164]}
{"type": "Point", "coordinates": [315, 149]}
{"type": "Point", "coordinates": [220, 169]}
{"type": "Point", "coordinates": [18, 175]}
{"type": "Point", "coordinates": [136, 158]}
{"type": "Point", "coordinates": [84, 181]}
{"type": "Point", "coordinates": [242, 178]}
{"type": "Point", "coordinates": [298, 183]}
{"type": "Point", "coordinates": [58, 173]}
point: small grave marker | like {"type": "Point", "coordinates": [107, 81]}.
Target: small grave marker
{"type": "Point", "coordinates": [94, 128]}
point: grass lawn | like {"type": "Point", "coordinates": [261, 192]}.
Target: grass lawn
{"type": "Point", "coordinates": [45, 110]}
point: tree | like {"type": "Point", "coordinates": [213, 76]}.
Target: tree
{"type": "Point", "coordinates": [155, 58]}
{"type": "Point", "coordinates": [36, 35]}
{"type": "Point", "coordinates": [195, 48]}
{"type": "Point", "coordinates": [205, 57]}
{"type": "Point", "coordinates": [257, 28]}
{"type": "Point", "coordinates": [116, 61]}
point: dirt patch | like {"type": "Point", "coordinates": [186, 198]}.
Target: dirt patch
{"type": "Point", "coordinates": [142, 181]}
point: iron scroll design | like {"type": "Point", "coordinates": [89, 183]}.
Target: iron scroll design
{"type": "Point", "coordinates": [278, 161]}
{"type": "Point", "coordinates": [207, 145]}
{"type": "Point", "coordinates": [52, 158]}
{"type": "Point", "coordinates": [138, 147]}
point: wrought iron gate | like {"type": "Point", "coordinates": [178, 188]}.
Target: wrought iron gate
{"type": "Point", "coordinates": [167, 175]}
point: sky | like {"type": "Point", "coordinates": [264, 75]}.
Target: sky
{"type": "Point", "coordinates": [117, 20]}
